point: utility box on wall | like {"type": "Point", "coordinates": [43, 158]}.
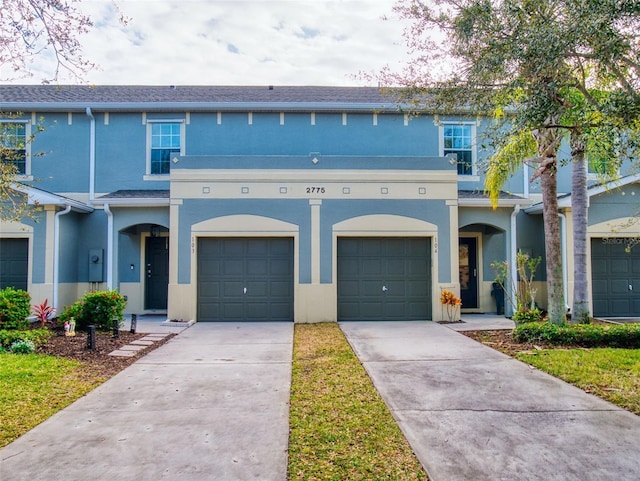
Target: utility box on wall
{"type": "Point", "coordinates": [96, 257]}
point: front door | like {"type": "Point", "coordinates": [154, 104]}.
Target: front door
{"type": "Point", "coordinates": [468, 261]}
{"type": "Point", "coordinates": [156, 273]}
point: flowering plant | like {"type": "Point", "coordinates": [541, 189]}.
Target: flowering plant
{"type": "Point", "coordinates": [451, 303]}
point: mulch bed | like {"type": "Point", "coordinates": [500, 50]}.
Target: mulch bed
{"type": "Point", "coordinates": [98, 360]}
{"type": "Point", "coordinates": [502, 340]}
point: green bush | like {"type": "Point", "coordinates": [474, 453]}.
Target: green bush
{"type": "Point", "coordinates": [15, 307]}
{"type": "Point", "coordinates": [39, 337]}
{"type": "Point", "coordinates": [22, 347]}
{"type": "Point", "coordinates": [96, 308]}
{"type": "Point", "coordinates": [75, 311]}
{"type": "Point", "coordinates": [584, 335]}
{"type": "Point", "coordinates": [529, 315]}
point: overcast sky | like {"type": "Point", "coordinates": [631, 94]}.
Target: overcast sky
{"type": "Point", "coordinates": [238, 42]}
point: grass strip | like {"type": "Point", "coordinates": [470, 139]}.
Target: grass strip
{"type": "Point", "coordinates": [339, 426]}
{"type": "Point", "coordinates": [612, 374]}
{"type": "Point", "coordinates": [33, 387]}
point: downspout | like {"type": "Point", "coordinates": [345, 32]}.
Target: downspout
{"type": "Point", "coordinates": [92, 155]}
{"type": "Point", "coordinates": [563, 240]}
{"type": "Point", "coordinates": [513, 268]}
{"type": "Point", "coordinates": [107, 211]}
{"type": "Point", "coordinates": [56, 254]}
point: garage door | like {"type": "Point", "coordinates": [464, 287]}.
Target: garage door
{"type": "Point", "coordinates": [384, 279]}
{"type": "Point", "coordinates": [616, 278]}
{"type": "Point", "coordinates": [14, 263]}
{"type": "Point", "coordinates": [245, 279]}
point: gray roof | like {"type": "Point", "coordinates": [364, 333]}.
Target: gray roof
{"type": "Point", "coordinates": [478, 194]}
{"type": "Point", "coordinates": [137, 194]}
{"type": "Point", "coordinates": [133, 97]}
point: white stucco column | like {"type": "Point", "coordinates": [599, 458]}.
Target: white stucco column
{"type": "Point", "coordinates": [315, 240]}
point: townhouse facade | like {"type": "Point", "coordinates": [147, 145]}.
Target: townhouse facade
{"type": "Point", "coordinates": [280, 203]}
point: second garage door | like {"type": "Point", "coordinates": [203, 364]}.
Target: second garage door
{"type": "Point", "coordinates": [384, 279]}
{"type": "Point", "coordinates": [245, 279]}
{"type": "Point", "coordinates": [616, 278]}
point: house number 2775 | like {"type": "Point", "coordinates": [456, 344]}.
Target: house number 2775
{"type": "Point", "coordinates": [315, 190]}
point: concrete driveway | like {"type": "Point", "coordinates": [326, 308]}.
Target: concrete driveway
{"type": "Point", "coordinates": [211, 404]}
{"type": "Point", "coordinates": [473, 414]}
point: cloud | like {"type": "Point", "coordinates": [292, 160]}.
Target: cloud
{"type": "Point", "coordinates": [240, 42]}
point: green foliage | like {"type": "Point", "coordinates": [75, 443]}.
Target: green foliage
{"type": "Point", "coordinates": [612, 374]}
{"type": "Point", "coordinates": [75, 311]}
{"type": "Point", "coordinates": [98, 308]}
{"type": "Point", "coordinates": [527, 315]}
{"type": "Point", "coordinates": [525, 309]}
{"type": "Point", "coordinates": [22, 347]}
{"type": "Point", "coordinates": [15, 307]}
{"type": "Point", "coordinates": [339, 426]}
{"type": "Point", "coordinates": [506, 161]}
{"type": "Point", "coordinates": [38, 337]}
{"type": "Point", "coordinates": [585, 335]}
{"type": "Point", "coordinates": [33, 387]}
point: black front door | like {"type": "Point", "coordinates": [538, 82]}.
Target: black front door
{"type": "Point", "coordinates": [468, 261]}
{"type": "Point", "coordinates": [156, 273]}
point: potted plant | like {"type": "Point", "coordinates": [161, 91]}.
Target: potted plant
{"type": "Point", "coordinates": [452, 304]}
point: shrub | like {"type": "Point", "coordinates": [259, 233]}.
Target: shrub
{"type": "Point", "coordinates": [39, 337]}
{"type": "Point", "coordinates": [96, 308]}
{"type": "Point", "coordinates": [22, 347]}
{"type": "Point", "coordinates": [584, 335]}
{"type": "Point", "coordinates": [530, 315]}
{"type": "Point", "coordinates": [43, 311]}
{"type": "Point", "coordinates": [75, 311]}
{"type": "Point", "coordinates": [15, 307]}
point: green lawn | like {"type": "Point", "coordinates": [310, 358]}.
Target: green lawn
{"type": "Point", "coordinates": [33, 387]}
{"type": "Point", "coordinates": [339, 426]}
{"type": "Point", "coordinates": [612, 374]}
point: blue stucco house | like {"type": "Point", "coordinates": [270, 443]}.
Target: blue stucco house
{"type": "Point", "coordinates": [280, 203]}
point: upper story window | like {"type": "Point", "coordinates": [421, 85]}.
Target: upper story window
{"type": "Point", "coordinates": [14, 145]}
{"type": "Point", "coordinates": [165, 138]}
{"type": "Point", "coordinates": [458, 139]}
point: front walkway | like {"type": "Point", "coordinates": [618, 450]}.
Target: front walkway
{"type": "Point", "coordinates": [474, 414]}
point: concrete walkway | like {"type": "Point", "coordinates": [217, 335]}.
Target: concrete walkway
{"type": "Point", "coordinates": [211, 404]}
{"type": "Point", "coordinates": [473, 414]}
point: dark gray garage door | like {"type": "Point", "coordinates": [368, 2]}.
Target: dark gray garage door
{"type": "Point", "coordinates": [245, 279]}
{"type": "Point", "coordinates": [616, 278]}
{"type": "Point", "coordinates": [384, 279]}
{"type": "Point", "coordinates": [14, 263]}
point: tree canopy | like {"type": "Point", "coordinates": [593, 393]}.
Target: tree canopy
{"type": "Point", "coordinates": [543, 70]}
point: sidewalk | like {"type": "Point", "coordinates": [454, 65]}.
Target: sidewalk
{"type": "Point", "coordinates": [211, 404]}
{"type": "Point", "coordinates": [473, 414]}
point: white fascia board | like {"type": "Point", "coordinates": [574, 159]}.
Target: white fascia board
{"type": "Point", "coordinates": [487, 203]}
{"type": "Point", "coordinates": [150, 202]}
{"type": "Point", "coordinates": [565, 202]}
{"type": "Point", "coordinates": [42, 197]}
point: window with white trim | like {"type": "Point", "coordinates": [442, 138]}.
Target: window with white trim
{"type": "Point", "coordinates": [14, 146]}
{"type": "Point", "coordinates": [165, 138]}
{"type": "Point", "coordinates": [458, 139]}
